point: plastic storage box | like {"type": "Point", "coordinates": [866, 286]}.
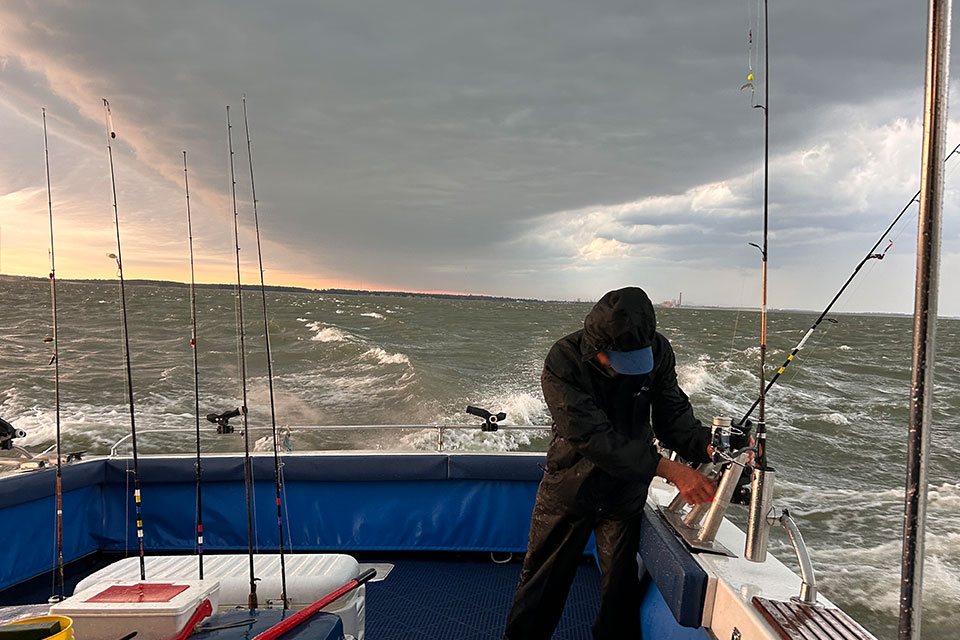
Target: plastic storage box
{"type": "Point", "coordinates": [155, 609]}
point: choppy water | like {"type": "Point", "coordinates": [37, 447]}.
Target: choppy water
{"type": "Point", "coordinates": [838, 421]}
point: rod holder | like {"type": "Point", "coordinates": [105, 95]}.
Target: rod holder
{"type": "Point", "coordinates": [676, 505]}
{"type": "Point", "coordinates": [760, 518]}
{"type": "Point", "coordinates": [721, 500]}
{"type": "Point", "coordinates": [808, 587]}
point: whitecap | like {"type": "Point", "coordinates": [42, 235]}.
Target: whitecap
{"type": "Point", "coordinates": [694, 378]}
{"type": "Point", "coordinates": [326, 334]}
{"type": "Point", "coordinates": [372, 314]}
{"type": "Point", "coordinates": [473, 439]}
{"type": "Point", "coordinates": [386, 358]}
{"type": "Point", "coordinates": [844, 347]}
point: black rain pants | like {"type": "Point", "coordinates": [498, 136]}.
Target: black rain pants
{"type": "Point", "coordinates": [557, 540]}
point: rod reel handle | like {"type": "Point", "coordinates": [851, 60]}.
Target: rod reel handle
{"type": "Point", "coordinates": [222, 420]}
{"type": "Point", "coordinates": [490, 419]}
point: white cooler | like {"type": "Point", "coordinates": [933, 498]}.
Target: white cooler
{"type": "Point", "coordinates": [309, 577]}
{"type": "Point", "coordinates": [155, 609]}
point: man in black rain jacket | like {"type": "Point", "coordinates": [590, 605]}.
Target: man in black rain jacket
{"type": "Point", "coordinates": [610, 388]}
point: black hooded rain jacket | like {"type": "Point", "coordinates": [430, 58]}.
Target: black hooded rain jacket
{"type": "Point", "coordinates": [602, 456]}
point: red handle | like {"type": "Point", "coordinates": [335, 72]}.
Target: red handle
{"type": "Point", "coordinates": [304, 614]}
{"type": "Point", "coordinates": [202, 612]}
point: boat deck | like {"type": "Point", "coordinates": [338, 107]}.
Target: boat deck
{"type": "Point", "coordinates": [425, 595]}
{"type": "Point", "coordinates": [465, 597]}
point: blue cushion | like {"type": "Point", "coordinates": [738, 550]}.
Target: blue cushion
{"type": "Point", "coordinates": [677, 575]}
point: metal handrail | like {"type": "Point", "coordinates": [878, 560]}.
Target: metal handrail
{"type": "Point", "coordinates": [808, 586]}
{"type": "Point", "coordinates": [441, 428]}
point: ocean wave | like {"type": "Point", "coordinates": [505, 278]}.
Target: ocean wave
{"type": "Point", "coordinates": [473, 439]}
{"type": "Point", "coordinates": [869, 577]}
{"type": "Point", "coordinates": [835, 418]}
{"type": "Point", "coordinates": [329, 334]}
{"type": "Point", "coordinates": [521, 407]}
{"type": "Point", "coordinates": [694, 378]}
{"type": "Point", "coordinates": [381, 356]}
{"type": "Point", "coordinates": [372, 314]}
{"type": "Point", "coordinates": [325, 333]}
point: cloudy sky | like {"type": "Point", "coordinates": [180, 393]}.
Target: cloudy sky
{"type": "Point", "coordinates": [543, 148]}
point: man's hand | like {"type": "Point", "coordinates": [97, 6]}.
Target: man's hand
{"type": "Point", "coordinates": [693, 486]}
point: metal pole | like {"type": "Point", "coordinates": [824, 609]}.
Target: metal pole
{"type": "Point", "coordinates": [925, 315]}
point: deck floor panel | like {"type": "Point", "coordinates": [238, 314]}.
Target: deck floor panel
{"type": "Point", "coordinates": [466, 598]}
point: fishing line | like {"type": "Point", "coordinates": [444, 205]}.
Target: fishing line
{"type": "Point", "coordinates": [266, 337]}
{"type": "Point", "coordinates": [58, 595]}
{"type": "Point", "coordinates": [247, 466]}
{"type": "Point", "coordinates": [196, 370]}
{"type": "Point", "coordinates": [111, 134]}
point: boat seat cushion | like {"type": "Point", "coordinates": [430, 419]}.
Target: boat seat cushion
{"type": "Point", "coordinates": [678, 576]}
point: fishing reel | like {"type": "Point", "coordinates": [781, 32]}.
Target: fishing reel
{"type": "Point", "coordinates": [729, 442]}
{"type": "Point", "coordinates": [490, 420]}
{"type": "Point", "coordinates": [8, 433]}
{"type": "Point", "coordinates": [222, 420]}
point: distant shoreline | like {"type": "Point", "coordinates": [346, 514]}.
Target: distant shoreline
{"type": "Point", "coordinates": [286, 288]}
{"type": "Point", "coordinates": [419, 294]}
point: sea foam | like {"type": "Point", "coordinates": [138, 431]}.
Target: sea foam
{"type": "Point", "coordinates": [381, 356]}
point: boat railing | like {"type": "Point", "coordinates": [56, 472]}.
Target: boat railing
{"type": "Point", "coordinates": [441, 430]}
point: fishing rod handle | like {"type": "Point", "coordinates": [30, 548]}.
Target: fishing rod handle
{"type": "Point", "coordinates": [306, 613]}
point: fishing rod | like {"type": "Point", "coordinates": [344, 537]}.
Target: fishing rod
{"type": "Point", "coordinates": [761, 436]}
{"type": "Point", "coordinates": [762, 476]}
{"type": "Point", "coordinates": [266, 335]}
{"type": "Point", "coordinates": [59, 593]}
{"type": "Point", "coordinates": [111, 134]}
{"type": "Point", "coordinates": [871, 255]}
{"type": "Point", "coordinates": [196, 369]}
{"type": "Point", "coordinates": [247, 466]}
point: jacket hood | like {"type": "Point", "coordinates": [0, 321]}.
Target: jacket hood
{"type": "Point", "coordinates": [622, 320]}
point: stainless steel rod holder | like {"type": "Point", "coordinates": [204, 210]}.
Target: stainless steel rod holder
{"type": "Point", "coordinates": [808, 588]}
{"type": "Point", "coordinates": [721, 500]}
{"type": "Point", "coordinates": [695, 515]}
{"type": "Point", "coordinates": [676, 505]}
{"type": "Point", "coordinates": [760, 519]}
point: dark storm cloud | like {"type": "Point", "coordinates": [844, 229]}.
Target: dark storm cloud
{"type": "Point", "coordinates": [420, 142]}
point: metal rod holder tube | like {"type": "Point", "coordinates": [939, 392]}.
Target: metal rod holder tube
{"type": "Point", "coordinates": [759, 521]}
{"type": "Point", "coordinates": [676, 505]}
{"type": "Point", "coordinates": [721, 500]}
{"type": "Point", "coordinates": [808, 589]}
{"type": "Point", "coordinates": [696, 513]}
